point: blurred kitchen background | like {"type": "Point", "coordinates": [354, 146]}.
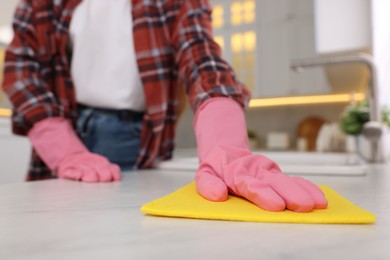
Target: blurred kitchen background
{"type": "Point", "coordinates": [285, 52]}
{"type": "Point", "coordinates": [262, 39]}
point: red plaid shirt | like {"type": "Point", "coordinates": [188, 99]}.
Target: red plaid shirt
{"type": "Point", "coordinates": [173, 44]}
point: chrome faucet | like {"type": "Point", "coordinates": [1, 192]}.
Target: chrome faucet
{"type": "Point", "coordinates": [372, 130]}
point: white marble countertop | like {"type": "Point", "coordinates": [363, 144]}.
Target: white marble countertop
{"type": "Point", "coordinates": [60, 219]}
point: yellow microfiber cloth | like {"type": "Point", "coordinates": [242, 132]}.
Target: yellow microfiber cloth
{"type": "Point", "coordinates": [187, 203]}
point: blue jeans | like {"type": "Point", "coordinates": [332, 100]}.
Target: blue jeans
{"type": "Point", "coordinates": [115, 134]}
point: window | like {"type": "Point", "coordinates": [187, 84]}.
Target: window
{"type": "Point", "coordinates": [217, 15]}
{"type": "Point", "coordinates": [235, 32]}
{"type": "Point", "coordinates": [220, 40]}
{"type": "Point", "coordinates": [242, 12]}
{"type": "Point", "coordinates": [243, 47]}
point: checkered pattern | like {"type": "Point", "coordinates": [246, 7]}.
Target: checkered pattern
{"type": "Point", "coordinates": [174, 47]}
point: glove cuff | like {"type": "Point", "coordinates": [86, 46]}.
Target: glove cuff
{"type": "Point", "coordinates": [219, 121]}
{"type": "Point", "coordinates": [54, 139]}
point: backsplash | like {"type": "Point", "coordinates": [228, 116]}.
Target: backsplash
{"type": "Point", "coordinates": [265, 120]}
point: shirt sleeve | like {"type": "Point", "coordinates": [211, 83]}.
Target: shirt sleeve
{"type": "Point", "coordinates": [198, 57]}
{"type": "Point", "coordinates": [24, 83]}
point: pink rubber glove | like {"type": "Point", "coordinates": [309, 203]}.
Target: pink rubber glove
{"type": "Point", "coordinates": [228, 166]}
{"type": "Point", "coordinates": [59, 147]}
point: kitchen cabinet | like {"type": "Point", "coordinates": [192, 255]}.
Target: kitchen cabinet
{"type": "Point", "coordinates": [284, 30]}
{"type": "Point", "coordinates": [287, 33]}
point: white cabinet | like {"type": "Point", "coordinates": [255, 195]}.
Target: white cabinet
{"type": "Point", "coordinates": [284, 30]}
{"type": "Point", "coordinates": [286, 33]}
{"type": "Point", "coordinates": [342, 25]}
{"type": "Point", "coordinates": [14, 154]}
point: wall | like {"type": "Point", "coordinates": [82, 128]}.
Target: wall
{"type": "Point", "coordinates": [7, 8]}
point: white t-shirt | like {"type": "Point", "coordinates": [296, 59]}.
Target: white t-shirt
{"type": "Point", "coordinates": [104, 68]}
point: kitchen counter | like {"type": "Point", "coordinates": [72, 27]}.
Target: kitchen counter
{"type": "Point", "coordinates": [60, 219]}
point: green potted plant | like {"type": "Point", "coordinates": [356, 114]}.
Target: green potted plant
{"type": "Point", "coordinates": [354, 117]}
{"type": "Point", "coordinates": [352, 121]}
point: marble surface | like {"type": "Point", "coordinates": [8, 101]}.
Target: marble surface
{"type": "Point", "coordinates": [60, 219]}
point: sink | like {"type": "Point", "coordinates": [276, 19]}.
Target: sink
{"type": "Point", "coordinates": [291, 163]}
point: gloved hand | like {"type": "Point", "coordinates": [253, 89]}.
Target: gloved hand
{"type": "Point", "coordinates": [59, 147]}
{"type": "Point", "coordinates": [228, 166]}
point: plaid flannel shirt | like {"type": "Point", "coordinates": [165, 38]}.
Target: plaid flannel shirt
{"type": "Point", "coordinates": [174, 47]}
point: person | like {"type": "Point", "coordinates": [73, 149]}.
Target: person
{"type": "Point", "coordinates": [95, 85]}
